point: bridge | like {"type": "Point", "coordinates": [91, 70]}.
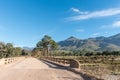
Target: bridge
{"type": "Point", "coordinates": [30, 68]}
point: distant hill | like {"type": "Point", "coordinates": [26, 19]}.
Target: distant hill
{"type": "Point", "coordinates": [111, 43]}
{"type": "Point", "coordinates": [28, 48]}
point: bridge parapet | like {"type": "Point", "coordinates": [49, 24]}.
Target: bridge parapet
{"type": "Point", "coordinates": [73, 64]}
{"type": "Point", "coordinates": [4, 61]}
{"type": "Point", "coordinates": [64, 61]}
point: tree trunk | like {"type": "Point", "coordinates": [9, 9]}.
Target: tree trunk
{"type": "Point", "coordinates": [47, 51]}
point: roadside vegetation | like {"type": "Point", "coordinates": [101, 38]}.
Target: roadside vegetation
{"type": "Point", "coordinates": [8, 50]}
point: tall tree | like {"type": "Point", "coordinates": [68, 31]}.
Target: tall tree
{"type": "Point", "coordinates": [36, 52]}
{"type": "Point", "coordinates": [10, 50]}
{"type": "Point", "coordinates": [47, 43]}
{"type": "Point", "coordinates": [2, 50]}
{"type": "Point", "coordinates": [53, 46]}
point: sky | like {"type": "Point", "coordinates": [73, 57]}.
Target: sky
{"type": "Point", "coordinates": [25, 22]}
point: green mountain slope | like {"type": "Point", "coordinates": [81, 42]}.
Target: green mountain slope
{"type": "Point", "coordinates": [111, 43]}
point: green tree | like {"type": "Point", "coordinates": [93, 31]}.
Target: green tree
{"type": "Point", "coordinates": [53, 46]}
{"type": "Point", "coordinates": [17, 51]}
{"type": "Point", "coordinates": [26, 52]}
{"type": "Point", "coordinates": [10, 50]}
{"type": "Point", "coordinates": [36, 52]}
{"type": "Point", "coordinates": [47, 43]}
{"type": "Point", "coordinates": [2, 50]}
{"type": "Point", "coordinates": [23, 52]}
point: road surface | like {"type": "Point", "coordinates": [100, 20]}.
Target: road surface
{"type": "Point", "coordinates": [33, 69]}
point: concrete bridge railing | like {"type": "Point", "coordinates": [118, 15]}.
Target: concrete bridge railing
{"type": "Point", "coordinates": [64, 61]}
{"type": "Point", "coordinates": [4, 61]}
{"type": "Point", "coordinates": [73, 64]}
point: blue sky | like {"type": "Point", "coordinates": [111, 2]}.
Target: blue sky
{"type": "Point", "coordinates": [25, 22]}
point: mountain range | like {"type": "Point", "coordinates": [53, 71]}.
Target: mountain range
{"type": "Point", "coordinates": [102, 43]}
{"type": "Point", "coordinates": [28, 48]}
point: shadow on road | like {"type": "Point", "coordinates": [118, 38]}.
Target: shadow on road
{"type": "Point", "coordinates": [53, 66]}
{"type": "Point", "coordinates": [61, 68]}
{"type": "Point", "coordinates": [84, 76]}
{"type": "Point", "coordinates": [70, 78]}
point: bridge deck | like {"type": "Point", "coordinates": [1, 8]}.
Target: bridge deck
{"type": "Point", "coordinates": [33, 69]}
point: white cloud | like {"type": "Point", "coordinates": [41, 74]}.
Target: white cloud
{"type": "Point", "coordinates": [95, 34]}
{"type": "Point", "coordinates": [78, 11]}
{"type": "Point", "coordinates": [96, 14]}
{"type": "Point", "coordinates": [115, 24]}
{"type": "Point", "coordinates": [18, 46]}
{"type": "Point", "coordinates": [80, 30]}
{"type": "Point", "coordinates": [75, 10]}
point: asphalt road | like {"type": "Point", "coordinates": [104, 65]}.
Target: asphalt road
{"type": "Point", "coordinates": [33, 69]}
